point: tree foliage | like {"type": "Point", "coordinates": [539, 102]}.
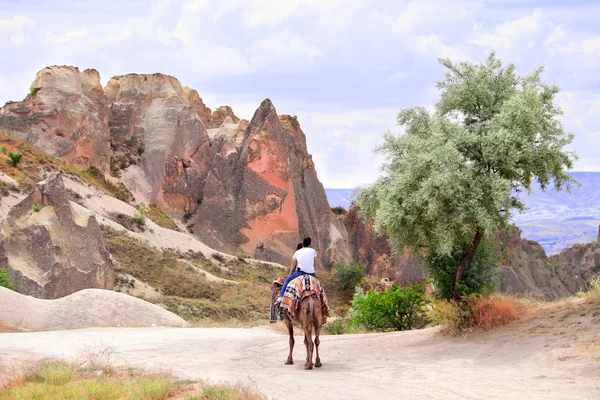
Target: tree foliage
{"type": "Point", "coordinates": [456, 172]}
{"type": "Point", "coordinates": [480, 277]}
{"type": "Point", "coordinates": [348, 275]}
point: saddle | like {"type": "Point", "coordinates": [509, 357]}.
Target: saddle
{"type": "Point", "coordinates": [299, 288]}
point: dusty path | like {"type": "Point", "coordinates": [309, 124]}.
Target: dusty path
{"type": "Point", "coordinates": [532, 360]}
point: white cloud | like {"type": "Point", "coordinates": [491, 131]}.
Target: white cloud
{"type": "Point", "coordinates": [270, 12]}
{"type": "Point", "coordinates": [513, 33]}
{"type": "Point", "coordinates": [286, 50]}
{"type": "Point", "coordinates": [67, 37]}
{"type": "Point", "coordinates": [15, 31]}
{"type": "Point", "coordinates": [432, 45]}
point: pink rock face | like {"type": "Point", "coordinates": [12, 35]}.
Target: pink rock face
{"type": "Point", "coordinates": [66, 114]}
{"type": "Point", "coordinates": [265, 196]}
{"type": "Point", "coordinates": [156, 113]}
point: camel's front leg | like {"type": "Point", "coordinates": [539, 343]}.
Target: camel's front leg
{"type": "Point", "coordinates": [288, 323]}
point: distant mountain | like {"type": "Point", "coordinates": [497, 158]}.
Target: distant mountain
{"type": "Point", "coordinates": [554, 219]}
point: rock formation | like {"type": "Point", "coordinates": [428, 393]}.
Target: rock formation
{"type": "Point", "coordinates": [153, 114]}
{"type": "Point", "coordinates": [373, 251]}
{"type": "Point", "coordinates": [263, 195]}
{"type": "Point", "coordinates": [49, 251]}
{"type": "Point", "coordinates": [66, 114]}
{"type": "Point", "coordinates": [527, 270]}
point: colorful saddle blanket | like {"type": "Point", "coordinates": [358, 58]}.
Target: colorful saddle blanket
{"type": "Point", "coordinates": [299, 288]}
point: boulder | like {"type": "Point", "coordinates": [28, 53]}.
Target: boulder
{"type": "Point", "coordinates": [48, 250]}
{"type": "Point", "coordinates": [85, 309]}
{"type": "Point", "coordinates": [65, 114]}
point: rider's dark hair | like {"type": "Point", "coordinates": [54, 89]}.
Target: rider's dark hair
{"type": "Point", "coordinates": [306, 242]}
{"type": "Point", "coordinates": [299, 246]}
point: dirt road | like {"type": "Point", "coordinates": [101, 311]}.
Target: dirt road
{"type": "Point", "coordinates": [533, 360]}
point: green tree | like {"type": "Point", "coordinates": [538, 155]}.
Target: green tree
{"type": "Point", "coordinates": [453, 176]}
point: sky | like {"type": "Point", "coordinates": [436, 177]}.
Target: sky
{"type": "Point", "coordinates": [345, 68]}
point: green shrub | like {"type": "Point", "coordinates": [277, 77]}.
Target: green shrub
{"type": "Point", "coordinates": [348, 275]}
{"type": "Point", "coordinates": [35, 207]}
{"type": "Point", "coordinates": [339, 210]}
{"type": "Point", "coordinates": [3, 149]}
{"type": "Point", "coordinates": [95, 172]}
{"type": "Point", "coordinates": [4, 281]}
{"type": "Point", "coordinates": [480, 275]}
{"type": "Point", "coordinates": [141, 212]}
{"type": "Point", "coordinates": [14, 159]}
{"type": "Point", "coordinates": [398, 308]}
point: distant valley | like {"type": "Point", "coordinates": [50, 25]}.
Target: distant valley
{"type": "Point", "coordinates": [554, 219]}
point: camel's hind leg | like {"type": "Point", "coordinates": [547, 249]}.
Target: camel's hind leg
{"type": "Point", "coordinates": [317, 342]}
{"type": "Point", "coordinates": [307, 353]}
{"type": "Point", "coordinates": [290, 326]}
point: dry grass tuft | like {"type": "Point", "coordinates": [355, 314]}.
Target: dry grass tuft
{"type": "Point", "coordinates": [594, 293]}
{"type": "Point", "coordinates": [476, 312]}
{"type": "Point", "coordinates": [58, 380]}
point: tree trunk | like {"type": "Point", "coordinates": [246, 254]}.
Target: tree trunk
{"type": "Point", "coordinates": [466, 260]}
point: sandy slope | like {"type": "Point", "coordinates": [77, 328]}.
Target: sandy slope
{"type": "Point", "coordinates": [538, 359]}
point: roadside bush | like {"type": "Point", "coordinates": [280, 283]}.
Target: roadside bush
{"type": "Point", "coordinates": [348, 275]}
{"type": "Point", "coordinates": [480, 275]}
{"type": "Point", "coordinates": [35, 207]}
{"type": "Point", "coordinates": [475, 312]}
{"type": "Point", "coordinates": [336, 327]}
{"type": "Point", "coordinates": [398, 308]}
{"type": "Point", "coordinates": [14, 159]}
{"type": "Point", "coordinates": [4, 281]}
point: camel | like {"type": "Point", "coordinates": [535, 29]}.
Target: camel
{"type": "Point", "coordinates": [309, 315]}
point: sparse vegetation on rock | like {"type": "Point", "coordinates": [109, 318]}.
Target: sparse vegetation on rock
{"type": "Point", "coordinates": [141, 212]}
{"type": "Point", "coordinates": [14, 159]}
{"type": "Point", "coordinates": [5, 281]}
{"type": "Point", "coordinates": [34, 91]}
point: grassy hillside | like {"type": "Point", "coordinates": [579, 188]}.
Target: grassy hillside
{"type": "Point", "coordinates": [35, 163]}
{"type": "Point", "coordinates": [185, 289]}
